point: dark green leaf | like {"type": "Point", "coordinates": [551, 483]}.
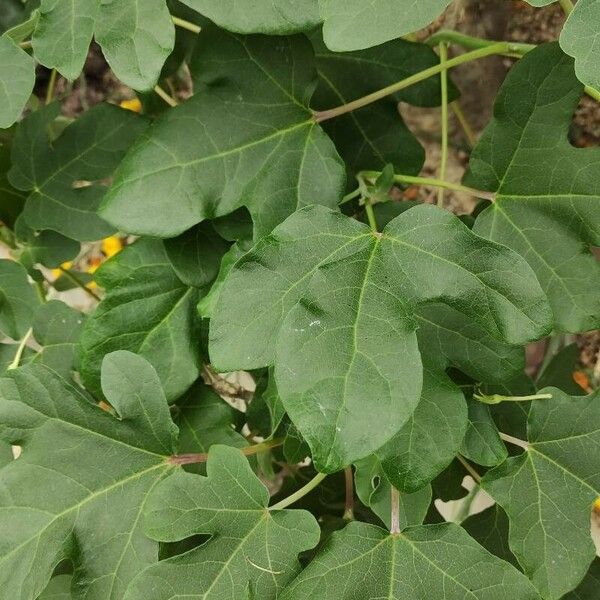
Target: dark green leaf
{"type": "Point", "coordinates": [18, 300]}
{"type": "Point", "coordinates": [57, 327]}
{"type": "Point", "coordinates": [548, 491]}
{"type": "Point", "coordinates": [135, 35]}
{"type": "Point", "coordinates": [429, 561]}
{"type": "Point", "coordinates": [196, 255]}
{"type": "Point", "coordinates": [354, 24]}
{"type": "Point", "coordinates": [247, 138]}
{"type": "Point", "coordinates": [332, 321]}
{"type": "Point", "coordinates": [82, 480]}
{"type": "Point", "coordinates": [17, 76]}
{"type": "Point", "coordinates": [253, 551]}
{"type": "Point", "coordinates": [374, 491]}
{"type": "Point", "coordinates": [547, 198]}
{"type": "Point", "coordinates": [263, 16]}
{"type": "Point", "coordinates": [146, 309]}
{"type": "Point", "coordinates": [88, 151]}
{"type": "Point", "coordinates": [482, 444]}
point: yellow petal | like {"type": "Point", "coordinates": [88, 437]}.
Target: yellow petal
{"type": "Point", "coordinates": [134, 104]}
{"type": "Point", "coordinates": [111, 245]}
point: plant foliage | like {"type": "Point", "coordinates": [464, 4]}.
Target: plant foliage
{"type": "Point", "coordinates": [285, 362]}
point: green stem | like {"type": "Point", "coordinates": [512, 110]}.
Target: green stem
{"type": "Point", "coordinates": [349, 493]}
{"type": "Point", "coordinates": [513, 440]}
{"type": "Point", "coordinates": [17, 359]}
{"type": "Point", "coordinates": [567, 6]}
{"type": "Point", "coordinates": [444, 149]}
{"type": "Point", "coordinates": [515, 49]}
{"type": "Point", "coordinates": [395, 511]}
{"type": "Point", "coordinates": [469, 469]}
{"type": "Point", "coordinates": [202, 457]}
{"type": "Point", "coordinates": [168, 99]}
{"type": "Point", "coordinates": [26, 45]}
{"type": "Point", "coordinates": [355, 194]}
{"type": "Point", "coordinates": [41, 290]}
{"type": "Point", "coordinates": [74, 279]}
{"type": "Point", "coordinates": [371, 215]}
{"type": "Point", "coordinates": [470, 42]}
{"type": "Point", "coordinates": [51, 87]}
{"type": "Point", "coordinates": [186, 25]}
{"type": "Point", "coordinates": [305, 489]}
{"type": "Point", "coordinates": [498, 398]}
{"type": "Point", "coordinates": [464, 123]}
{"type": "Point", "coordinates": [435, 183]}
{"type": "Point", "coordinates": [496, 48]}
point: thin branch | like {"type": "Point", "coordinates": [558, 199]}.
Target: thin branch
{"type": "Point", "coordinates": [395, 511]}
{"type": "Point", "coordinates": [469, 469]}
{"type": "Point", "coordinates": [513, 440]}
{"type": "Point", "coordinates": [202, 457]}
{"type": "Point", "coordinates": [186, 25]}
{"type": "Point", "coordinates": [444, 149]}
{"type": "Point", "coordinates": [372, 175]}
{"type": "Point", "coordinates": [498, 398]}
{"type": "Point", "coordinates": [309, 487]}
{"type": "Point", "coordinates": [497, 48]}
{"type": "Point", "coordinates": [168, 99]}
{"type": "Point", "coordinates": [371, 215]}
{"type": "Point", "coordinates": [74, 279]}
{"type": "Point", "coordinates": [51, 87]}
{"type": "Point", "coordinates": [26, 45]}
{"type": "Point", "coordinates": [464, 123]}
{"type": "Point", "coordinates": [17, 359]}
{"type": "Point", "coordinates": [349, 490]}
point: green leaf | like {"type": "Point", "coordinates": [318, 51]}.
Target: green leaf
{"type": "Point", "coordinates": [548, 491]}
{"type": "Point", "coordinates": [546, 206]}
{"type": "Point", "coordinates": [266, 411]}
{"type": "Point", "coordinates": [374, 491]}
{"type": "Point", "coordinates": [482, 444]}
{"type": "Point", "coordinates": [57, 327]}
{"type": "Point", "coordinates": [146, 309]}
{"type": "Point", "coordinates": [205, 419]}
{"type": "Point", "coordinates": [252, 552]}
{"type": "Point", "coordinates": [11, 199]}
{"type": "Point", "coordinates": [429, 561]}
{"type": "Point", "coordinates": [82, 480]}
{"type": "Point", "coordinates": [207, 304]}
{"type": "Point", "coordinates": [136, 37]}
{"type": "Point", "coordinates": [18, 300]}
{"type": "Point", "coordinates": [559, 371]}
{"type": "Point", "coordinates": [490, 529]}
{"type": "Point", "coordinates": [589, 588]}
{"type": "Point", "coordinates": [580, 38]}
{"type": "Point", "coordinates": [331, 320]}
{"type": "Point", "coordinates": [263, 16]}
{"type": "Point", "coordinates": [247, 138]}
{"type": "Point", "coordinates": [430, 439]}
{"type": "Point", "coordinates": [88, 151]}
{"type": "Point", "coordinates": [59, 588]}
{"type": "Point", "coordinates": [45, 247]}
{"type": "Point", "coordinates": [17, 76]}
{"type": "Point", "coordinates": [196, 255]}
{"type": "Point", "coordinates": [354, 24]}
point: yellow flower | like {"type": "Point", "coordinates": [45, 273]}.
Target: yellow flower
{"type": "Point", "coordinates": [134, 104]}
{"type": "Point", "coordinates": [597, 505]}
{"type": "Point", "coordinates": [66, 265]}
{"type": "Point", "coordinates": [111, 245]}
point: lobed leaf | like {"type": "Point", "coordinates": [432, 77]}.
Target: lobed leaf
{"type": "Point", "coordinates": [146, 309]}
{"type": "Point", "coordinates": [327, 292]}
{"type": "Point", "coordinates": [548, 491]}
{"type": "Point", "coordinates": [88, 151]}
{"type": "Point", "coordinates": [82, 480]}
{"type": "Point", "coordinates": [246, 138]}
{"type": "Point", "coordinates": [17, 76]}
{"type": "Point", "coordinates": [252, 552]}
{"type": "Point", "coordinates": [430, 561]}
{"type": "Point", "coordinates": [547, 191]}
